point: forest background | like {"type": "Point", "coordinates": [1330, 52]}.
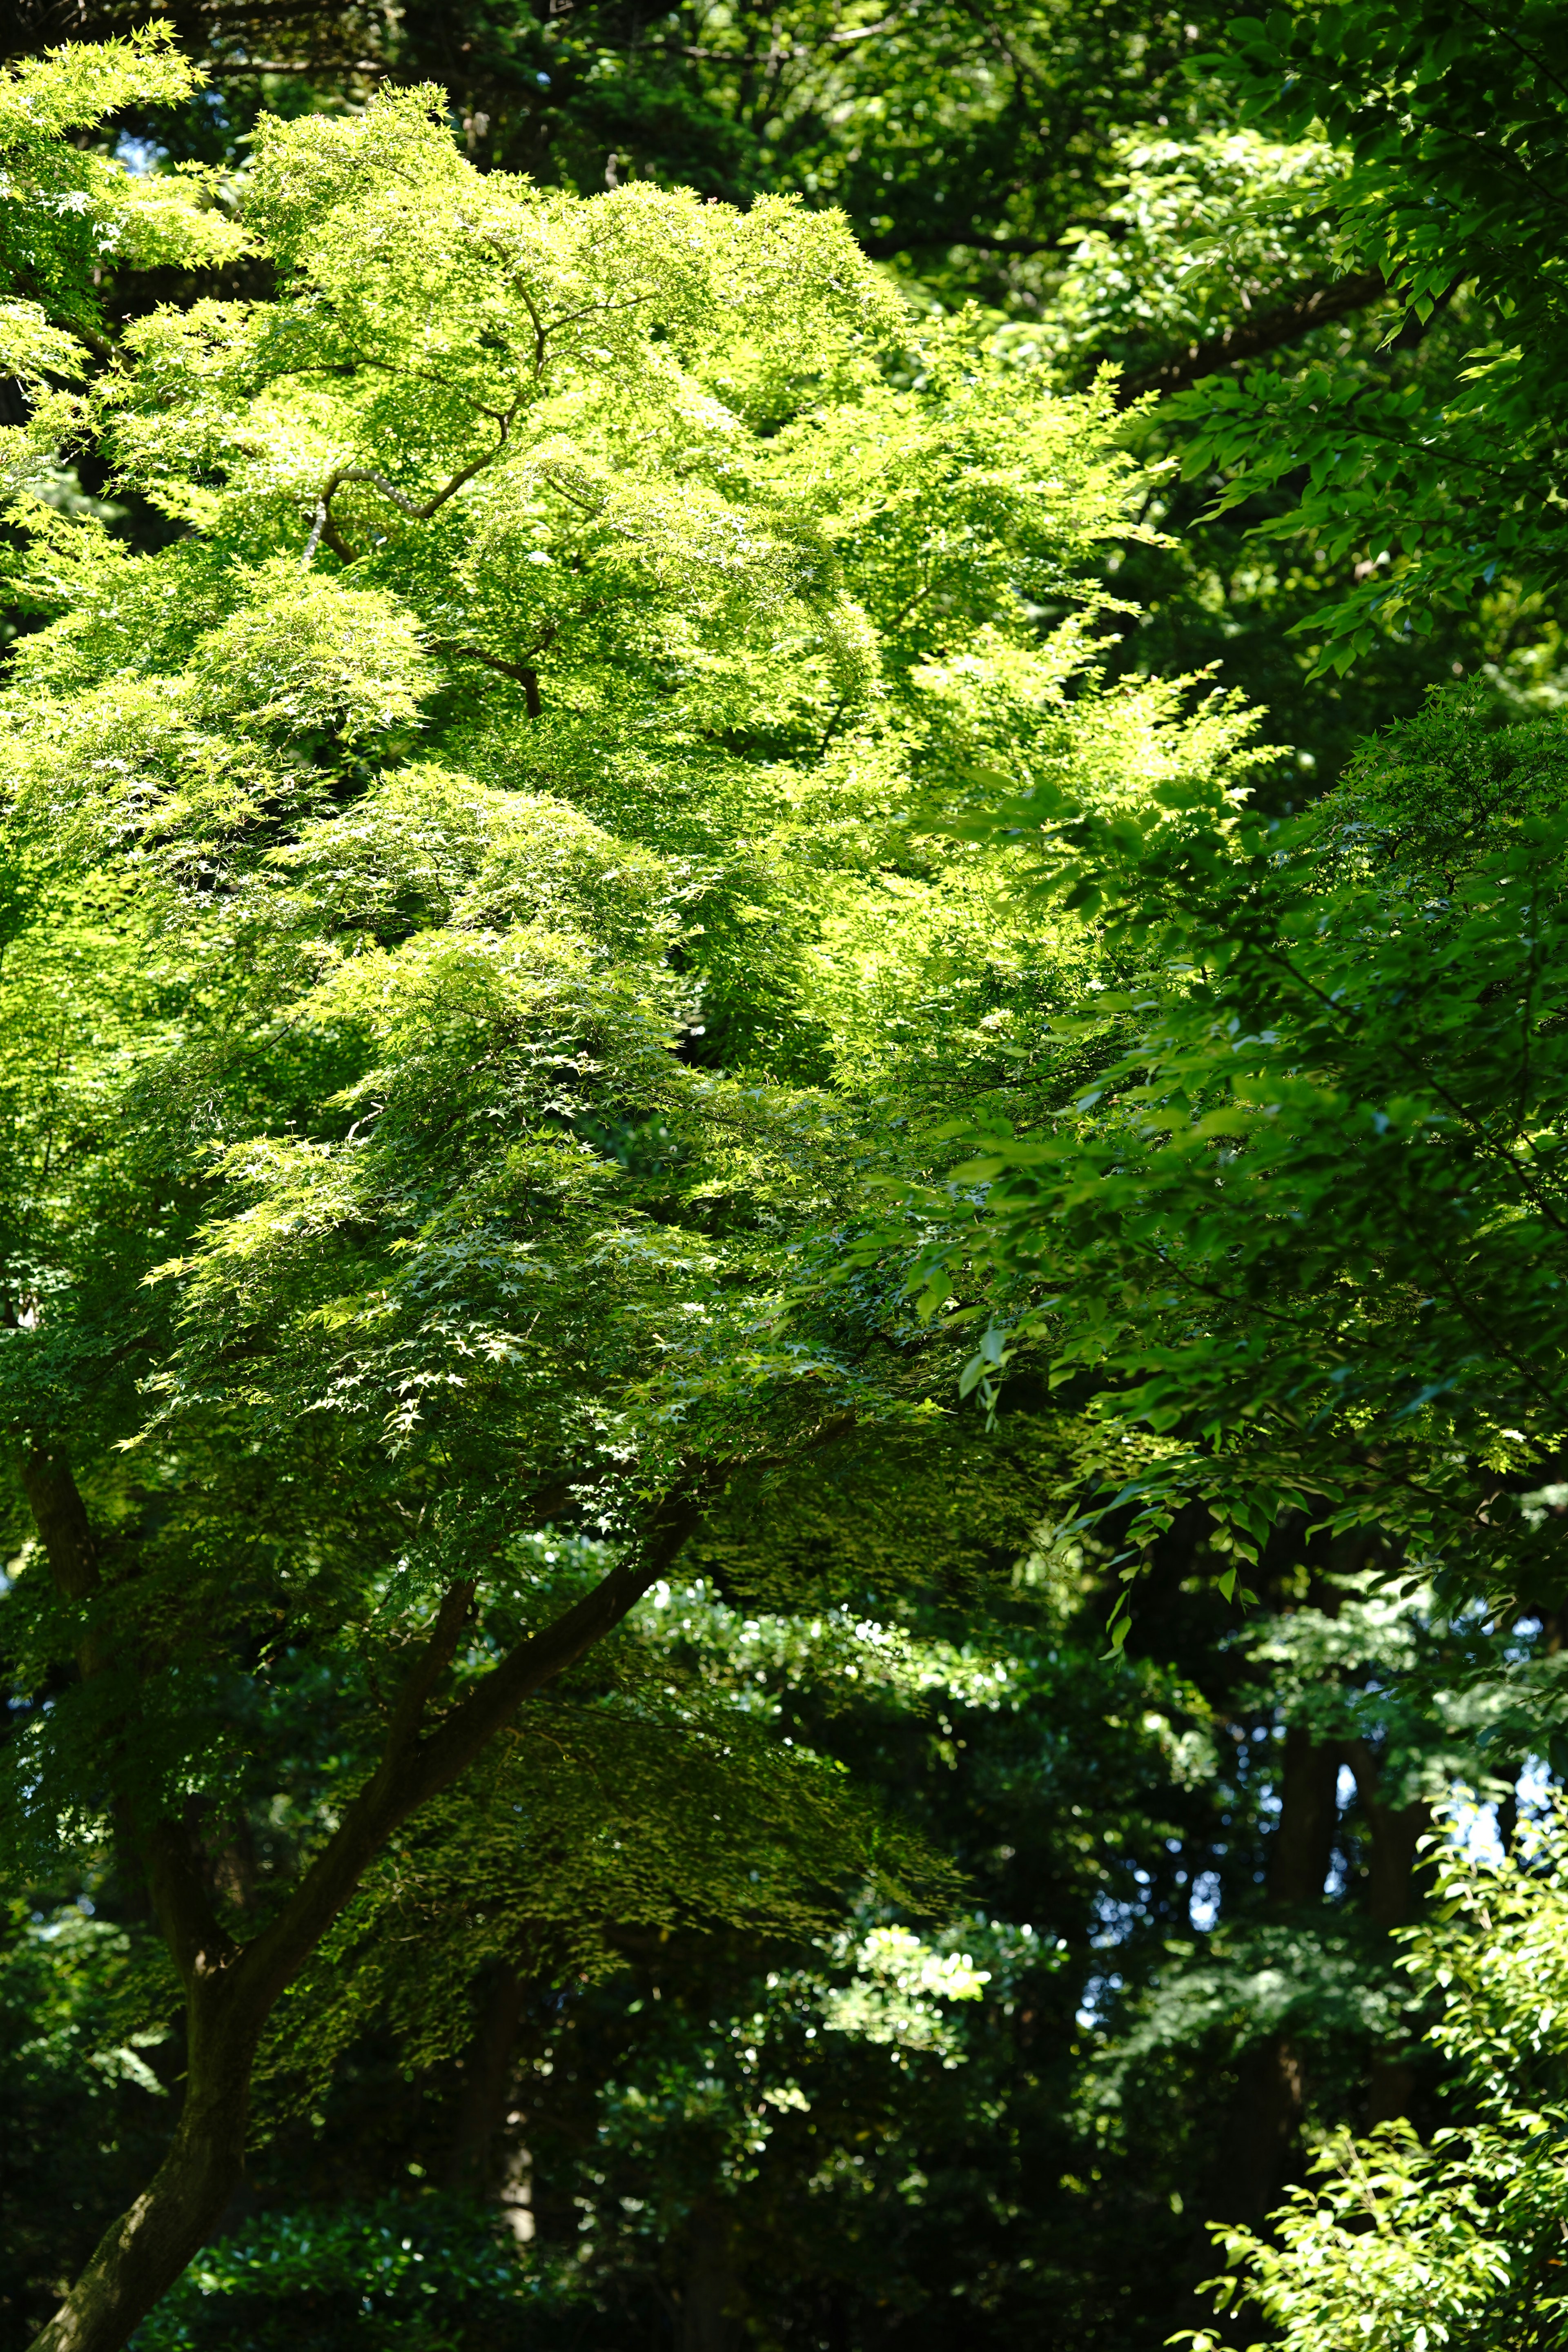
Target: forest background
{"type": "Point", "coordinates": [859, 1948]}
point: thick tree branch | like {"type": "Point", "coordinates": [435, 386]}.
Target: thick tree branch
{"type": "Point", "coordinates": [199, 1946]}
{"type": "Point", "coordinates": [415, 510]}
{"type": "Point", "coordinates": [414, 1768]}
{"type": "Point", "coordinates": [525, 675]}
{"type": "Point", "coordinates": [1248, 338]}
{"type": "Point", "coordinates": [64, 1529]}
{"type": "Point", "coordinates": [230, 1997]}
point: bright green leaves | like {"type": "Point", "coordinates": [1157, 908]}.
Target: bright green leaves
{"type": "Point", "coordinates": [1408, 2248]}
{"type": "Point", "coordinates": [400, 1268]}
{"type": "Point", "coordinates": [522, 281]}
{"type": "Point", "coordinates": [499, 794]}
{"type": "Point", "coordinates": [301, 657]}
{"type": "Point", "coordinates": [429, 310]}
{"type": "Point", "coordinates": [200, 736]}
{"type": "Point", "coordinates": [66, 212]}
{"type": "Point", "coordinates": [322, 167]}
{"type": "Point", "coordinates": [66, 209]}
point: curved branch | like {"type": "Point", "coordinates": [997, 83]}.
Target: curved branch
{"type": "Point", "coordinates": [1249, 338]}
{"type": "Point", "coordinates": [527, 677]}
{"type": "Point", "coordinates": [540, 330]}
{"type": "Point", "coordinates": [523, 669]}
{"type": "Point", "coordinates": [413, 1768]}
{"type": "Point", "coordinates": [416, 510]}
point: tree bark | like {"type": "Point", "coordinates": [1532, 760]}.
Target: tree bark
{"type": "Point", "coordinates": [1266, 2117]}
{"type": "Point", "coordinates": [488, 2069]}
{"type": "Point", "coordinates": [1309, 1815]}
{"type": "Point", "coordinates": [140, 2256]}
{"type": "Point", "coordinates": [1271, 2084]}
{"type": "Point", "coordinates": [709, 2301]}
{"type": "Point", "coordinates": [230, 1989]}
{"type": "Point", "coordinates": [1393, 1892]}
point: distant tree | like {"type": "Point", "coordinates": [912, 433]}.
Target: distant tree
{"type": "Point", "coordinates": [1451, 122]}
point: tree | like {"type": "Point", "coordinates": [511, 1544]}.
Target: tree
{"type": "Point", "coordinates": [1453, 121]}
{"type": "Point", "coordinates": [1070, 168]}
{"type": "Point", "coordinates": [1303, 1231]}
{"type": "Point", "coordinates": [959, 144]}
{"type": "Point", "coordinates": [459, 892]}
{"type": "Point", "coordinates": [478, 909]}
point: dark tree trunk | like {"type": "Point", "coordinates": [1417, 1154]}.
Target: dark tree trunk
{"type": "Point", "coordinates": [1507, 1820]}
{"type": "Point", "coordinates": [1303, 1843]}
{"type": "Point", "coordinates": [711, 2297]}
{"type": "Point", "coordinates": [1266, 2117]}
{"type": "Point", "coordinates": [1265, 2121]}
{"type": "Point", "coordinates": [475, 2159]}
{"type": "Point", "coordinates": [1393, 1892]}
{"type": "Point", "coordinates": [142, 2255]}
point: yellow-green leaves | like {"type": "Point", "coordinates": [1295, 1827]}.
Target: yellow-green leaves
{"type": "Point", "coordinates": [521, 751]}
{"type": "Point", "coordinates": [305, 655]}
{"type": "Point", "coordinates": [200, 754]}
{"type": "Point", "coordinates": [67, 210]}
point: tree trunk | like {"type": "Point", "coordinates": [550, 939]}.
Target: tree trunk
{"type": "Point", "coordinates": [1266, 2116]}
{"type": "Point", "coordinates": [1508, 1821]}
{"type": "Point", "coordinates": [231, 1989]}
{"type": "Point", "coordinates": [1393, 1889]}
{"type": "Point", "coordinates": [142, 2255]}
{"type": "Point", "coordinates": [709, 2302]}
{"type": "Point", "coordinates": [473, 2162]}
{"type": "Point", "coordinates": [1303, 1843]}
{"type": "Point", "coordinates": [1393, 1892]}
{"type": "Point", "coordinates": [1271, 2084]}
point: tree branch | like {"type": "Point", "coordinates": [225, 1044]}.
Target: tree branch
{"type": "Point", "coordinates": [321, 525]}
{"type": "Point", "coordinates": [64, 1529]}
{"type": "Point", "coordinates": [228, 2004]}
{"type": "Point", "coordinates": [526, 675]}
{"type": "Point", "coordinates": [413, 1769]}
{"type": "Point", "coordinates": [1249, 338]}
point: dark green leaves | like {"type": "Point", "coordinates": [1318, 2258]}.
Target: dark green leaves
{"type": "Point", "coordinates": [1311, 1226]}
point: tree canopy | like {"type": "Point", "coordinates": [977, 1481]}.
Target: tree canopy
{"type": "Point", "coordinates": [755, 960]}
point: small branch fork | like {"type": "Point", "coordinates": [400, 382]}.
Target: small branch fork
{"type": "Point", "coordinates": [321, 525]}
{"type": "Point", "coordinates": [523, 669]}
